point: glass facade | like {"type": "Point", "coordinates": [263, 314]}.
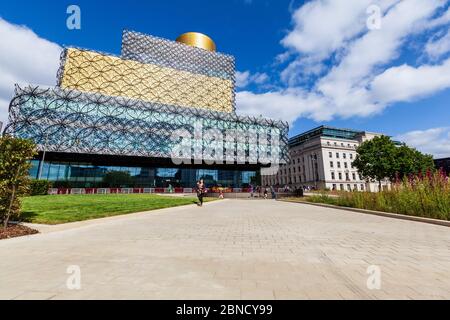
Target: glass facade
{"type": "Point", "coordinates": [127, 122]}
{"type": "Point", "coordinates": [86, 175]}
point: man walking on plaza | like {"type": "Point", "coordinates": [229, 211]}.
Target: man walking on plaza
{"type": "Point", "coordinates": [200, 192]}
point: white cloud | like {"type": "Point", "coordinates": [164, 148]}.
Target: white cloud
{"type": "Point", "coordinates": [434, 141]}
{"type": "Point", "coordinates": [442, 20]}
{"type": "Point", "coordinates": [244, 79]}
{"type": "Point", "coordinates": [321, 27]}
{"type": "Point", "coordinates": [406, 83]}
{"type": "Point", "coordinates": [437, 48]}
{"type": "Point", "coordinates": [24, 58]}
{"type": "Point", "coordinates": [348, 68]}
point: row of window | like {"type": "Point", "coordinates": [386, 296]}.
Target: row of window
{"type": "Point", "coordinates": [303, 159]}
{"type": "Point", "coordinates": [87, 175]}
{"type": "Point", "coordinates": [346, 165]}
{"type": "Point", "coordinates": [354, 176]}
{"type": "Point", "coordinates": [283, 181]}
{"type": "Point", "coordinates": [342, 187]}
{"type": "Point", "coordinates": [343, 145]}
{"type": "Point", "coordinates": [338, 155]}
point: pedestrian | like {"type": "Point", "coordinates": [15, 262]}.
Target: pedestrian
{"type": "Point", "coordinates": [266, 193]}
{"type": "Point", "coordinates": [252, 191]}
{"type": "Point", "coordinates": [274, 194]}
{"type": "Point", "coordinates": [200, 192]}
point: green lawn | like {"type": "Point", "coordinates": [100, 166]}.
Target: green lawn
{"type": "Point", "coordinates": [71, 208]}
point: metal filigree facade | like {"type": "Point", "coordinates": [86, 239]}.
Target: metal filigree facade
{"type": "Point", "coordinates": [90, 71]}
{"type": "Point", "coordinates": [132, 106]}
{"type": "Point", "coordinates": [74, 122]}
{"type": "Point", "coordinates": [171, 54]}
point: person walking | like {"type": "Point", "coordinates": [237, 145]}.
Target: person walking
{"type": "Point", "coordinates": [200, 192]}
{"type": "Point", "coordinates": [266, 193]}
{"type": "Point", "coordinates": [274, 194]}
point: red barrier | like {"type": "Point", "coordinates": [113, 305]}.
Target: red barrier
{"type": "Point", "coordinates": [63, 191]}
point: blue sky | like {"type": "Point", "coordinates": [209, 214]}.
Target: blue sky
{"type": "Point", "coordinates": [307, 62]}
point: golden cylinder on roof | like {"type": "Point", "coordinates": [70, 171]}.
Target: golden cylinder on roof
{"type": "Point", "coordinates": [198, 40]}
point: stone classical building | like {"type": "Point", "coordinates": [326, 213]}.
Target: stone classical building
{"type": "Point", "coordinates": [322, 159]}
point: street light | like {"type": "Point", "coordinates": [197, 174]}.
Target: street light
{"type": "Point", "coordinates": [41, 165]}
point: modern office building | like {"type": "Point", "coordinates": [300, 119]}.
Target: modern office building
{"type": "Point", "coordinates": [322, 159]}
{"type": "Point", "coordinates": [163, 112]}
{"type": "Point", "coordinates": [443, 164]}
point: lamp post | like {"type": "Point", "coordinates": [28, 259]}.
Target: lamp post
{"type": "Point", "coordinates": [41, 165]}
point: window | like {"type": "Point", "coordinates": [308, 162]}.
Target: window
{"type": "Point", "coordinates": [351, 156]}
{"type": "Point", "coordinates": [362, 187]}
{"type": "Point", "coordinates": [340, 176]}
{"type": "Point", "coordinates": [330, 154]}
{"type": "Point", "coordinates": [354, 176]}
{"type": "Point", "coordinates": [347, 177]}
{"type": "Point", "coordinates": [339, 165]}
{"type": "Point", "coordinates": [355, 187]}
{"type": "Point", "coordinates": [331, 164]}
{"type": "Point", "coordinates": [334, 187]}
{"type": "Point", "coordinates": [345, 165]}
{"type": "Point", "coordinates": [333, 176]}
{"type": "Point", "coordinates": [344, 155]}
{"type": "Point", "coordinates": [337, 155]}
{"type": "Point", "coordinates": [349, 187]}
{"type": "Point", "coordinates": [342, 187]}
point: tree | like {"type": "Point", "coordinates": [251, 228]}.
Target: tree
{"type": "Point", "coordinates": [15, 156]}
{"type": "Point", "coordinates": [117, 179]}
{"type": "Point", "coordinates": [411, 161]}
{"type": "Point", "coordinates": [376, 159]}
{"type": "Point", "coordinates": [380, 158]}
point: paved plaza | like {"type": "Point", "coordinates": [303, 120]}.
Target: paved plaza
{"type": "Point", "coordinates": [232, 249]}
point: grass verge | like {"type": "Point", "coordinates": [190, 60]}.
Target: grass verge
{"type": "Point", "coordinates": [72, 208]}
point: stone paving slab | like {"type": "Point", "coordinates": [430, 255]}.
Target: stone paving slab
{"type": "Point", "coordinates": [232, 249]}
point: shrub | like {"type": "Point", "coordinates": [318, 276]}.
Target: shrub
{"type": "Point", "coordinates": [422, 195]}
{"type": "Point", "coordinates": [39, 187]}
{"type": "Point", "coordinates": [15, 156]}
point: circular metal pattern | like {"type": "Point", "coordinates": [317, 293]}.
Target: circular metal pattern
{"type": "Point", "coordinates": [76, 122]}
